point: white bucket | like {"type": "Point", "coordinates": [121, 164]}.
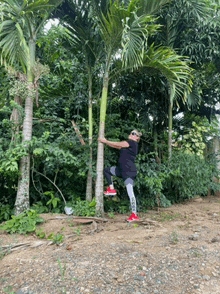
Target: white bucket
{"type": "Point", "coordinates": [68, 210]}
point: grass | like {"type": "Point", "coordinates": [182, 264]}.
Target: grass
{"type": "Point", "coordinates": [8, 290]}
{"type": "Point", "coordinates": [166, 216]}
{"type": "Point", "coordinates": [174, 238]}
{"type": "Point", "coordinates": [62, 269]}
{"type": "Point", "coordinates": [2, 252]}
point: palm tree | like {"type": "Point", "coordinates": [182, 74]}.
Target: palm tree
{"type": "Point", "coordinates": [81, 32]}
{"type": "Point", "coordinates": [178, 18]}
{"type": "Point", "coordinates": [124, 30]}
{"type": "Point", "coordinates": [21, 23]}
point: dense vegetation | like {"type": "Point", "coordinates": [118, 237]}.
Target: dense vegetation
{"type": "Point", "coordinates": [169, 91]}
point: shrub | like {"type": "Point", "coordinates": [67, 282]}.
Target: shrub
{"type": "Point", "coordinates": [39, 207]}
{"type": "Point", "coordinates": [23, 223]}
{"type": "Point", "coordinates": [83, 207]}
{"type": "Point", "coordinates": [195, 177]}
{"type": "Point", "coordinates": [5, 212]}
{"type": "Point", "coordinates": [184, 177]}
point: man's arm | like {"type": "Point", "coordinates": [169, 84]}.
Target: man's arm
{"type": "Point", "coordinates": [117, 145]}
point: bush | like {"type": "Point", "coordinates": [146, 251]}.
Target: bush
{"type": "Point", "coordinates": [83, 207]}
{"type": "Point", "coordinates": [23, 223]}
{"type": "Point", "coordinates": [123, 206]}
{"type": "Point", "coordinates": [5, 212]}
{"type": "Point", "coordinates": [150, 183]}
{"type": "Point", "coordinates": [184, 177]}
{"type": "Point", "coordinates": [195, 177]}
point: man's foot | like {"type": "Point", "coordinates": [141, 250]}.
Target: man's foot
{"type": "Point", "coordinates": [110, 192]}
{"type": "Point", "coordinates": [133, 217]}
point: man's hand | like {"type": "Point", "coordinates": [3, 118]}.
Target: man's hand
{"type": "Point", "coordinates": [102, 140]}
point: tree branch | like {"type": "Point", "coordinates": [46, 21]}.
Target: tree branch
{"type": "Point", "coordinates": [78, 133]}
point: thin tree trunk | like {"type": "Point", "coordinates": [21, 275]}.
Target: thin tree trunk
{"type": "Point", "coordinates": [156, 144]}
{"type": "Point", "coordinates": [100, 155]}
{"type": "Point", "coordinates": [22, 199]}
{"type": "Point", "coordinates": [89, 175]}
{"type": "Point", "coordinates": [15, 118]}
{"type": "Point", "coordinates": [170, 130]}
{"type": "Point", "coordinates": [89, 179]}
{"type": "Point", "coordinates": [216, 150]}
{"type": "Point", "coordinates": [99, 173]}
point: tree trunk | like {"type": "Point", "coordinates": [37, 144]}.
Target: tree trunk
{"type": "Point", "coordinates": [89, 175]}
{"type": "Point", "coordinates": [15, 118]}
{"type": "Point", "coordinates": [170, 130]}
{"type": "Point", "coordinates": [22, 198]}
{"type": "Point", "coordinates": [89, 179]}
{"type": "Point", "coordinates": [100, 155]}
{"type": "Point", "coordinates": [216, 148]}
{"type": "Point", "coordinates": [99, 173]}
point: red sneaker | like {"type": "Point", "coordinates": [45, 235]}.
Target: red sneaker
{"type": "Point", "coordinates": [110, 192]}
{"type": "Point", "coordinates": [133, 217]}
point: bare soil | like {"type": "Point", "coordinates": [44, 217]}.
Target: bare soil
{"type": "Point", "coordinates": [175, 250]}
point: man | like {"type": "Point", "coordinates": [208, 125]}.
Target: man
{"type": "Point", "coordinates": [126, 168]}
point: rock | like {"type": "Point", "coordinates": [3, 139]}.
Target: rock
{"type": "Point", "coordinates": [215, 239]}
{"type": "Point", "coordinates": [198, 199]}
{"type": "Point", "coordinates": [194, 237]}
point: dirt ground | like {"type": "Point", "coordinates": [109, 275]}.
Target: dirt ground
{"type": "Point", "coordinates": [175, 250]}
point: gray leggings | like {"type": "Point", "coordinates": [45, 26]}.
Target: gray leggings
{"type": "Point", "coordinates": [129, 183]}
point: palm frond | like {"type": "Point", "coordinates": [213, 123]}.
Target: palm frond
{"type": "Point", "coordinates": [150, 7]}
{"type": "Point", "coordinates": [12, 43]}
{"type": "Point", "coordinates": [134, 38]}
{"type": "Point", "coordinates": [111, 25]}
{"type": "Point", "coordinates": [17, 26]}
{"type": "Point", "coordinates": [193, 98]}
{"type": "Point", "coordinates": [174, 67]}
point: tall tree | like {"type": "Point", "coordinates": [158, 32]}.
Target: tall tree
{"type": "Point", "coordinates": [21, 23]}
{"type": "Point", "coordinates": [178, 21]}
{"type": "Point", "coordinates": [75, 16]}
{"type": "Point", "coordinates": [124, 29]}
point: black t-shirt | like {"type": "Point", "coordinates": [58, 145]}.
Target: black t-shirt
{"type": "Point", "coordinates": [126, 161]}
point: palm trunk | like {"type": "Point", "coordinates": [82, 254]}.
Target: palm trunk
{"type": "Point", "coordinates": [15, 118]}
{"type": "Point", "coordinates": [100, 155]}
{"type": "Point", "coordinates": [22, 200]}
{"type": "Point", "coordinates": [89, 175]}
{"type": "Point", "coordinates": [170, 130]}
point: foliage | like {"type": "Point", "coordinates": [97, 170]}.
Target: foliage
{"type": "Point", "coordinates": [39, 207]}
{"type": "Point", "coordinates": [83, 207]}
{"type": "Point", "coordinates": [184, 177]}
{"type": "Point", "coordinates": [41, 234]}
{"type": "Point", "coordinates": [122, 206]}
{"type": "Point", "coordinates": [136, 100]}
{"type": "Point", "coordinates": [24, 223]}
{"type": "Point", "coordinates": [52, 203]}
{"type": "Point", "coordinates": [193, 141]}
{"type": "Point", "coordinates": [57, 239]}
{"type": "Point", "coordinates": [195, 177]}
{"type": "Point", "coordinates": [5, 212]}
{"type": "Point", "coordinates": [9, 159]}
{"type": "Point", "coordinates": [62, 269]}
{"type": "Point", "coordinates": [151, 178]}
